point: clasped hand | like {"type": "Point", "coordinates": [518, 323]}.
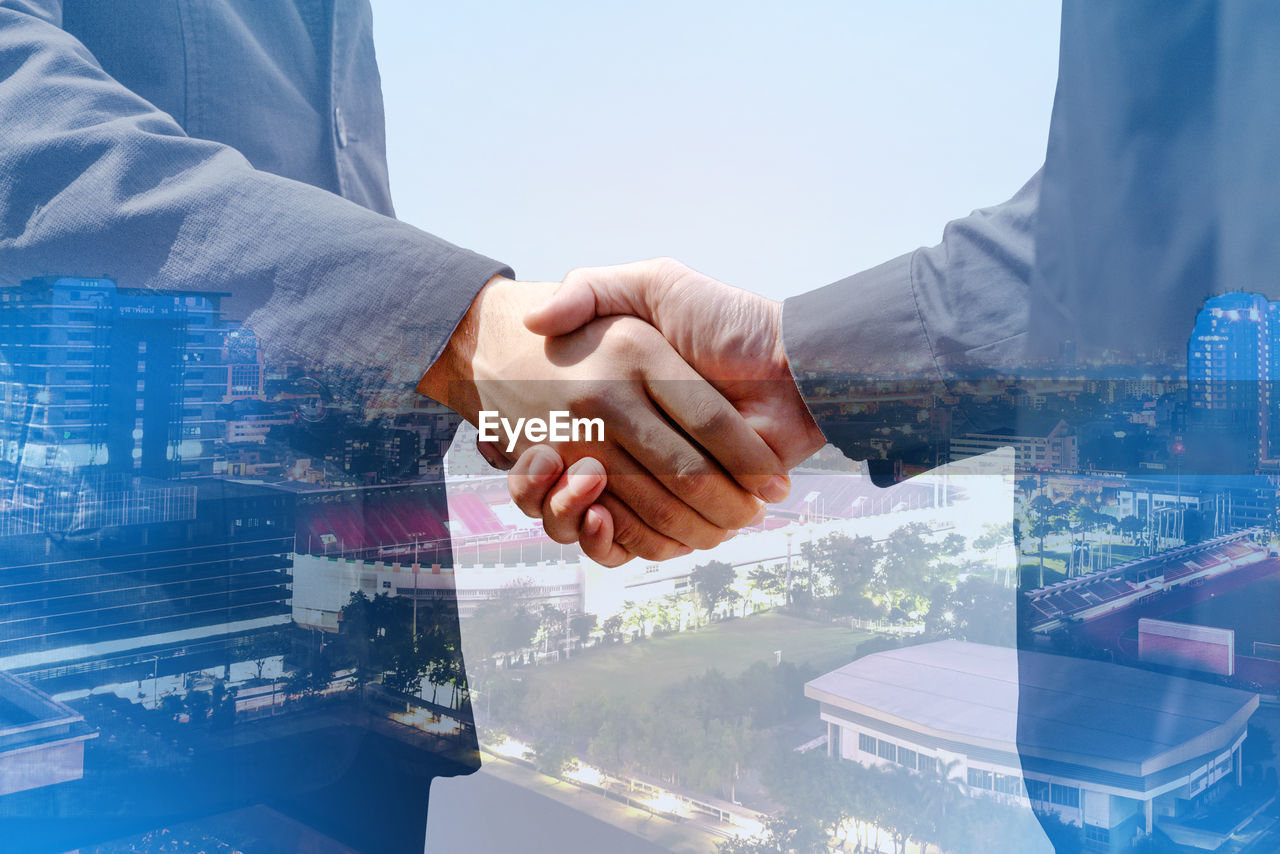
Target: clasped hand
{"type": "Point", "coordinates": [702, 418]}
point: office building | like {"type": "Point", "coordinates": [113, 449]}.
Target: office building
{"type": "Point", "coordinates": [1115, 750]}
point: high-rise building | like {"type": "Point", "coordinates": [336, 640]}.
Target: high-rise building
{"type": "Point", "coordinates": [244, 364]}
{"type": "Point", "coordinates": [1230, 365]}
{"type": "Point", "coordinates": [115, 538]}
{"type": "Point", "coordinates": [95, 378]}
{"type": "Point", "coordinates": [192, 566]}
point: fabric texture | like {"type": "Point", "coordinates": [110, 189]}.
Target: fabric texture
{"type": "Point", "coordinates": [210, 146]}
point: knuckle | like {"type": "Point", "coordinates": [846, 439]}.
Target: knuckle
{"type": "Point", "coordinates": [708, 415]}
{"type": "Point", "coordinates": [519, 487]}
{"type": "Point", "coordinates": [707, 537]}
{"type": "Point", "coordinates": [668, 264]}
{"type": "Point", "coordinates": [743, 513]}
{"type": "Point", "coordinates": [693, 483]}
{"type": "Point", "coordinates": [560, 534]}
{"type": "Point", "coordinates": [528, 506]}
{"type": "Point", "coordinates": [629, 338]}
{"type": "Point", "coordinates": [627, 532]}
{"type": "Point", "coordinates": [667, 518]}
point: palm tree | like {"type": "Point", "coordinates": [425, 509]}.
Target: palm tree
{"type": "Point", "coordinates": [770, 582]}
{"type": "Point", "coordinates": [1042, 525]}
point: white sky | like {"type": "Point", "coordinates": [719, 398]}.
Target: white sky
{"type": "Point", "coordinates": [777, 146]}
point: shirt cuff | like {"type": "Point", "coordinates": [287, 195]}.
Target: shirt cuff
{"type": "Point", "coordinates": [863, 329]}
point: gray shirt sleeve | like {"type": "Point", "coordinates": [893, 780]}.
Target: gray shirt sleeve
{"type": "Point", "coordinates": [96, 180]}
{"type": "Point", "coordinates": [916, 325]}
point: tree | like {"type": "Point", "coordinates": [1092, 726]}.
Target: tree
{"type": "Point", "coordinates": [983, 612]}
{"type": "Point", "coordinates": [171, 705]}
{"type": "Point", "coordinates": [771, 582]}
{"type": "Point", "coordinates": [504, 624]}
{"type": "Point", "coordinates": [1028, 484]}
{"type": "Point", "coordinates": [551, 757]}
{"type": "Point", "coordinates": [261, 647]}
{"type": "Point", "coordinates": [911, 561]}
{"type": "Point", "coordinates": [711, 583]}
{"type": "Point", "coordinates": [198, 705]}
{"type": "Point", "coordinates": [1131, 526]}
{"type": "Point", "coordinates": [848, 565]}
{"type": "Point", "coordinates": [1046, 519]}
{"type": "Point", "coordinates": [1258, 747]}
{"type": "Point", "coordinates": [551, 625]}
{"type": "Point", "coordinates": [581, 626]}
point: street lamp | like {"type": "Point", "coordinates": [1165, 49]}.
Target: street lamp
{"type": "Point", "coordinates": [787, 583]}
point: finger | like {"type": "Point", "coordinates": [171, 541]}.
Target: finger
{"type": "Point", "coordinates": [654, 506]}
{"type": "Point", "coordinates": [597, 538]}
{"type": "Point", "coordinates": [532, 478]}
{"type": "Point", "coordinates": [493, 456]}
{"type": "Point", "coordinates": [681, 468]}
{"type": "Point", "coordinates": [634, 537]}
{"type": "Point", "coordinates": [712, 422]}
{"type": "Point", "coordinates": [567, 502]}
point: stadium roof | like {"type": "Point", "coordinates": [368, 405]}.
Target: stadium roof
{"type": "Point", "coordinates": [29, 717]}
{"type": "Point", "coordinates": [1085, 713]}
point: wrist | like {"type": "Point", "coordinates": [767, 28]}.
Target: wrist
{"type": "Point", "coordinates": [451, 378]}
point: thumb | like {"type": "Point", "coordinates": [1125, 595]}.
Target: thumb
{"type": "Point", "coordinates": [591, 292]}
{"type": "Point", "coordinates": [570, 307]}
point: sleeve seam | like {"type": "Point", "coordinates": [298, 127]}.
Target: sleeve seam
{"type": "Point", "coordinates": [915, 304]}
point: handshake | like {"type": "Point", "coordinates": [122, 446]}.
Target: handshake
{"type": "Point", "coordinates": [701, 417]}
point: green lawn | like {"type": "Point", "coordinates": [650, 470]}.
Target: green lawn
{"type": "Point", "coordinates": [641, 669]}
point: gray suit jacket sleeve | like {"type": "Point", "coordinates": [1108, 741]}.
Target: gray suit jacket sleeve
{"type": "Point", "coordinates": [919, 323]}
{"type": "Point", "coordinates": [96, 180]}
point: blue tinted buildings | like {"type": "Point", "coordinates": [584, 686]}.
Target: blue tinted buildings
{"type": "Point", "coordinates": [1231, 363]}
{"type": "Point", "coordinates": [102, 379]}
{"type": "Point", "coordinates": [116, 539]}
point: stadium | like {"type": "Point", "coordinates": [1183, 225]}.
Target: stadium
{"type": "Point", "coordinates": [1116, 750]}
{"type": "Point", "coordinates": [397, 541]}
{"type": "Point", "coordinates": [1227, 586]}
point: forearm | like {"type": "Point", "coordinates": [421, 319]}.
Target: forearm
{"type": "Point", "coordinates": [868, 352]}
{"type": "Point", "coordinates": [97, 180]}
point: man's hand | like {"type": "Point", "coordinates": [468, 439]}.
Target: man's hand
{"type": "Point", "coordinates": [729, 336]}
{"type": "Point", "coordinates": [665, 428]}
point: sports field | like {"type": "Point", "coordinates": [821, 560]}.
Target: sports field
{"type": "Point", "coordinates": [641, 669]}
{"type": "Point", "coordinates": [1252, 610]}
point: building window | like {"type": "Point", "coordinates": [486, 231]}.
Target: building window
{"type": "Point", "coordinates": [907, 758]}
{"type": "Point", "coordinates": [1037, 790]}
{"type": "Point", "coordinates": [866, 743]}
{"type": "Point", "coordinates": [979, 779]}
{"type": "Point", "coordinates": [1065, 796]}
{"type": "Point", "coordinates": [1097, 838]}
{"type": "Point", "coordinates": [1009, 785]}
{"type": "Point", "coordinates": [926, 764]}
{"type": "Point", "coordinates": [888, 751]}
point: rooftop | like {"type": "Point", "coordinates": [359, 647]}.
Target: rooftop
{"type": "Point", "coordinates": [29, 717]}
{"type": "Point", "coordinates": [1052, 707]}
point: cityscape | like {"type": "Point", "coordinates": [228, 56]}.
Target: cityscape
{"type": "Point", "coordinates": [250, 605]}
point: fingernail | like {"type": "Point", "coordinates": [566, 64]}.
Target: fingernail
{"type": "Point", "coordinates": [542, 467]}
{"type": "Point", "coordinates": [776, 489]}
{"type": "Point", "coordinates": [592, 524]}
{"type": "Point", "coordinates": [582, 484]}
